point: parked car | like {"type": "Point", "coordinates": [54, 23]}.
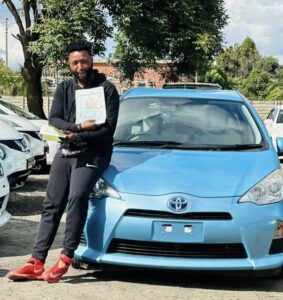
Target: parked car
{"type": "Point", "coordinates": [31, 132]}
{"type": "Point", "coordinates": [194, 184]}
{"type": "Point", "coordinates": [16, 155]}
{"type": "Point", "coordinates": [192, 85]}
{"type": "Point", "coordinates": [4, 197]}
{"type": "Point", "coordinates": [274, 124]}
{"type": "Point", "coordinates": [12, 109]}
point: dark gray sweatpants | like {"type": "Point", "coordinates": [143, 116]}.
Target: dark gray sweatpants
{"type": "Point", "coordinates": [71, 180]}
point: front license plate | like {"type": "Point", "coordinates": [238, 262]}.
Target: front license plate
{"type": "Point", "coordinates": [179, 232]}
{"type": "Point", "coordinates": [30, 163]}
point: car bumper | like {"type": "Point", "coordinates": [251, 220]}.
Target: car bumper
{"type": "Point", "coordinates": [112, 236]}
{"type": "Point", "coordinates": [4, 197]}
{"type": "Point", "coordinates": [4, 218]}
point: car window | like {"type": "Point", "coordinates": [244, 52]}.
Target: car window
{"type": "Point", "coordinates": [186, 121]}
{"type": "Point", "coordinates": [280, 117]}
{"type": "Point", "coordinates": [2, 112]}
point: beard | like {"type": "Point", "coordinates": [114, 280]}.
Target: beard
{"type": "Point", "coordinates": [84, 80]}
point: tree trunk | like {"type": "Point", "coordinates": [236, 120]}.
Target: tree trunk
{"type": "Point", "coordinates": [32, 77]}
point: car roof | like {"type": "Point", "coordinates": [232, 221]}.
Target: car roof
{"type": "Point", "coordinates": [191, 85]}
{"type": "Point", "coordinates": [184, 93]}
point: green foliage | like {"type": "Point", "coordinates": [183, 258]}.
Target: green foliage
{"type": "Point", "coordinates": [130, 59]}
{"type": "Point", "coordinates": [275, 89]}
{"type": "Point", "coordinates": [216, 75]}
{"type": "Point", "coordinates": [184, 33]}
{"type": "Point", "coordinates": [239, 60]}
{"type": "Point", "coordinates": [256, 76]}
{"type": "Point", "coordinates": [66, 21]}
{"type": "Point", "coordinates": [256, 84]}
{"type": "Point", "coordinates": [11, 83]}
{"type": "Point", "coordinates": [269, 64]}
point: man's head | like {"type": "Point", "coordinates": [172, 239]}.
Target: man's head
{"type": "Point", "coordinates": [80, 60]}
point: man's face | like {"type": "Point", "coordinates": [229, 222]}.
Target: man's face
{"type": "Point", "coordinates": [80, 63]}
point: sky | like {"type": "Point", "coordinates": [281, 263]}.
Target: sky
{"type": "Point", "coordinates": [261, 20]}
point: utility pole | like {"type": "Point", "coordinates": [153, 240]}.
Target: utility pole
{"type": "Point", "coordinates": [7, 42]}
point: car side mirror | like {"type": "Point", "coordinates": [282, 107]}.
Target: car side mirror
{"type": "Point", "coordinates": [279, 144]}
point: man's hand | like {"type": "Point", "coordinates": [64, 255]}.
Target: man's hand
{"type": "Point", "coordinates": [89, 125]}
{"type": "Point", "coordinates": [70, 136]}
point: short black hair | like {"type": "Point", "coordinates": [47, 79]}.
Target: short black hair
{"type": "Point", "coordinates": [79, 45]}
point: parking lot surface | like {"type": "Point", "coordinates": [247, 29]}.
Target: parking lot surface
{"type": "Point", "coordinates": [16, 240]}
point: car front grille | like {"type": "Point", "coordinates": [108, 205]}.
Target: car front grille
{"type": "Point", "coordinates": [19, 145]}
{"type": "Point", "coordinates": [2, 201]}
{"type": "Point", "coordinates": [178, 250]}
{"type": "Point", "coordinates": [276, 246]}
{"type": "Point", "coordinates": [187, 216]}
{"type": "Point", "coordinates": [34, 134]}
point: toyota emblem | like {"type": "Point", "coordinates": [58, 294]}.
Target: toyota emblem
{"type": "Point", "coordinates": [178, 204]}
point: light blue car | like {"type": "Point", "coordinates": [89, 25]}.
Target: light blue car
{"type": "Point", "coordinates": [194, 184]}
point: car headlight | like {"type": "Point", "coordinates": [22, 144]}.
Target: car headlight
{"type": "Point", "coordinates": [2, 153]}
{"type": "Point", "coordinates": [103, 189]}
{"type": "Point", "coordinates": [267, 191]}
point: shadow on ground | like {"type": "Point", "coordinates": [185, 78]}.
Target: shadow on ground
{"type": "Point", "coordinates": [182, 279]}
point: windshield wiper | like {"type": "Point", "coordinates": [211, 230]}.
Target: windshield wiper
{"type": "Point", "coordinates": [159, 144]}
{"type": "Point", "coordinates": [240, 147]}
{"type": "Point", "coordinates": [212, 147]}
{"type": "Point", "coordinates": [177, 145]}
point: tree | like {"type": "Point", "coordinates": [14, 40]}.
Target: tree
{"type": "Point", "coordinates": [228, 61]}
{"type": "Point", "coordinates": [239, 60]}
{"type": "Point", "coordinates": [32, 68]}
{"type": "Point", "coordinates": [216, 75]}
{"type": "Point", "coordinates": [129, 59]}
{"type": "Point", "coordinates": [269, 64]}
{"type": "Point", "coordinates": [184, 33]}
{"type": "Point", "coordinates": [11, 83]}
{"type": "Point", "coordinates": [44, 29]}
{"type": "Point", "coordinates": [256, 84]}
{"type": "Point", "coordinates": [275, 89]}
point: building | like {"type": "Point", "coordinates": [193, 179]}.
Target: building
{"type": "Point", "coordinates": [149, 78]}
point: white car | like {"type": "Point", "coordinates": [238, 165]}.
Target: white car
{"type": "Point", "coordinates": [4, 197]}
{"type": "Point", "coordinates": [13, 109]}
{"type": "Point", "coordinates": [31, 132]}
{"type": "Point", "coordinates": [16, 155]}
{"type": "Point", "coordinates": [274, 124]}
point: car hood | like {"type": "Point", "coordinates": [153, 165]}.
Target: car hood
{"type": "Point", "coordinates": [39, 122]}
{"type": "Point", "coordinates": [7, 132]}
{"type": "Point", "coordinates": [198, 173]}
{"type": "Point", "coordinates": [19, 123]}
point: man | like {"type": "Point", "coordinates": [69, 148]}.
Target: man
{"type": "Point", "coordinates": [81, 159]}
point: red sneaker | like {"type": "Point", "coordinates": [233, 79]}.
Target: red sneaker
{"type": "Point", "coordinates": [55, 273]}
{"type": "Point", "coordinates": [32, 270]}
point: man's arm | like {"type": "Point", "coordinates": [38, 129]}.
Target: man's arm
{"type": "Point", "coordinates": [56, 116]}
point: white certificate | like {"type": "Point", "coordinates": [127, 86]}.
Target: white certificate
{"type": "Point", "coordinates": [90, 105]}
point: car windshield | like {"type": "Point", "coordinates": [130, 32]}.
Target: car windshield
{"type": "Point", "coordinates": [190, 123]}
{"type": "Point", "coordinates": [19, 111]}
